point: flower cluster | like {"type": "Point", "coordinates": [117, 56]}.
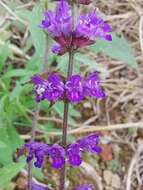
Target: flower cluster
{"type": "Point", "coordinates": [89, 27]}
{"type": "Point", "coordinates": [74, 90]}
{"type": "Point", "coordinates": [57, 154]}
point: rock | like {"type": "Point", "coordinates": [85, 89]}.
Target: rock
{"type": "Point", "coordinates": [109, 188]}
{"type": "Point", "coordinates": [116, 182]}
{"type": "Point", "coordinates": [87, 105]}
{"type": "Point", "coordinates": [108, 175]}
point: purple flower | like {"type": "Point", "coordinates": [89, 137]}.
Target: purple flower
{"type": "Point", "coordinates": [92, 27]}
{"type": "Point", "coordinates": [74, 89]}
{"type": "Point", "coordinates": [73, 154]}
{"type": "Point", "coordinates": [55, 88]}
{"type": "Point", "coordinates": [90, 143]}
{"type": "Point", "coordinates": [36, 150]}
{"type": "Point", "coordinates": [59, 25]}
{"type": "Point", "coordinates": [40, 87]}
{"type": "Point", "coordinates": [38, 186]}
{"type": "Point", "coordinates": [84, 187]}
{"type": "Point", "coordinates": [57, 154]}
{"type": "Point", "coordinates": [39, 151]}
{"type": "Point", "coordinates": [92, 86]}
{"type": "Point", "coordinates": [51, 89]}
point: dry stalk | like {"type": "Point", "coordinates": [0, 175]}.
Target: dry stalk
{"type": "Point", "coordinates": [90, 172]}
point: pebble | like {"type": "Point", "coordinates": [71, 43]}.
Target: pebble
{"type": "Point", "coordinates": [116, 182]}
{"type": "Point", "coordinates": [108, 175]}
{"type": "Point", "coordinates": [111, 180]}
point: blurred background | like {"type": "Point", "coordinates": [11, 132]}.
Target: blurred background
{"type": "Point", "coordinates": [118, 119]}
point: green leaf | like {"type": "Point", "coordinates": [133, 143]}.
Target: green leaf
{"type": "Point", "coordinates": [17, 73]}
{"type": "Point", "coordinates": [4, 53]}
{"type": "Point", "coordinates": [2, 144]}
{"type": "Point", "coordinates": [8, 172]}
{"type": "Point", "coordinates": [114, 165]}
{"type": "Point", "coordinates": [37, 173]}
{"type": "Point", "coordinates": [59, 109]}
{"type": "Point", "coordinates": [34, 63]}
{"type": "Point", "coordinates": [80, 60]}
{"type": "Point", "coordinates": [118, 49]}
{"type": "Point", "coordinates": [49, 127]}
{"type": "Point", "coordinates": [16, 91]}
{"type": "Point", "coordinates": [14, 138]}
{"type": "Point", "coordinates": [11, 139]}
{"type": "Point", "coordinates": [38, 37]}
{"type": "Point", "coordinates": [90, 64]}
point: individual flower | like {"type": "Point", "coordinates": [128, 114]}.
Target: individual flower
{"type": "Point", "coordinates": [92, 86]}
{"type": "Point", "coordinates": [57, 155]}
{"type": "Point", "coordinates": [91, 27]}
{"type": "Point", "coordinates": [59, 25]}
{"type": "Point", "coordinates": [84, 187]}
{"type": "Point", "coordinates": [55, 88]}
{"type": "Point", "coordinates": [40, 87]}
{"type": "Point", "coordinates": [35, 151]}
{"type": "Point", "coordinates": [90, 143]}
{"type": "Point", "coordinates": [51, 89]}
{"type": "Point", "coordinates": [74, 155]}
{"type": "Point", "coordinates": [74, 89]}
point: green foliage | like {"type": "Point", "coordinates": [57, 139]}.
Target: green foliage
{"type": "Point", "coordinates": [4, 54]}
{"type": "Point", "coordinates": [17, 73]}
{"type": "Point", "coordinates": [114, 165]}
{"type": "Point", "coordinates": [59, 109]}
{"type": "Point", "coordinates": [9, 142]}
{"type": "Point", "coordinates": [118, 49]}
{"type": "Point", "coordinates": [8, 172]}
{"type": "Point", "coordinates": [81, 61]}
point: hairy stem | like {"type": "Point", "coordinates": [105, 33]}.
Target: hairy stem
{"type": "Point", "coordinates": [33, 132]}
{"type": "Point", "coordinates": [65, 123]}
{"type": "Point", "coordinates": [66, 104]}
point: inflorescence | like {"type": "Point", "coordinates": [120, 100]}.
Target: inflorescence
{"type": "Point", "coordinates": [89, 27]}
{"type": "Point", "coordinates": [75, 89]}
{"type": "Point", "coordinates": [69, 36]}
{"type": "Point", "coordinates": [58, 155]}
